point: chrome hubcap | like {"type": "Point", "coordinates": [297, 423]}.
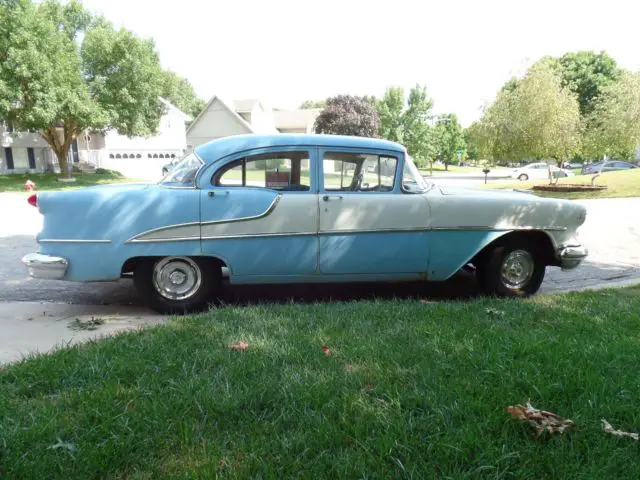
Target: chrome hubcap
{"type": "Point", "coordinates": [517, 269]}
{"type": "Point", "coordinates": [177, 278]}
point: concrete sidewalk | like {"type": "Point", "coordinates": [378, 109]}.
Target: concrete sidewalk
{"type": "Point", "coordinates": [41, 327]}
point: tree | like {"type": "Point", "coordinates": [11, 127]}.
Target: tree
{"type": "Point", "coordinates": [408, 123]}
{"type": "Point", "coordinates": [613, 127]}
{"type": "Point", "coordinates": [180, 92]}
{"type": "Point", "coordinates": [538, 119]}
{"type": "Point", "coordinates": [587, 74]}
{"type": "Point", "coordinates": [52, 82]}
{"type": "Point", "coordinates": [450, 139]}
{"type": "Point", "coordinates": [307, 104]}
{"type": "Point", "coordinates": [348, 115]}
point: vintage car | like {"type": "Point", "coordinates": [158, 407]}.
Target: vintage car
{"type": "Point", "coordinates": [255, 209]}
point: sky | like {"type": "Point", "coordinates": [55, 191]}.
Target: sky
{"type": "Point", "coordinates": [288, 51]}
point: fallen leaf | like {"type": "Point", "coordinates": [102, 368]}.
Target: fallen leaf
{"type": "Point", "coordinates": [619, 433]}
{"type": "Point", "coordinates": [494, 311]}
{"type": "Point", "coordinates": [70, 447]}
{"type": "Point", "coordinates": [541, 420]}
{"type": "Point", "coordinates": [239, 346]}
{"type": "Point", "coordinates": [326, 350]}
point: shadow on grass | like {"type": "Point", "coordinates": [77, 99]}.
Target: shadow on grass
{"type": "Point", "coordinates": [461, 286]}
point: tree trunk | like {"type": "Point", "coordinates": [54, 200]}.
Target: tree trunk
{"type": "Point", "coordinates": [61, 148]}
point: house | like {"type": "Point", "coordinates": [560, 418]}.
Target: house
{"type": "Point", "coordinates": [135, 157]}
{"type": "Point", "coordinates": [221, 119]}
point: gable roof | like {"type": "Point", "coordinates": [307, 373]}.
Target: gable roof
{"type": "Point", "coordinates": [227, 107]}
{"type": "Point", "coordinates": [296, 118]}
{"type": "Point", "coordinates": [246, 105]}
{"type": "Point", "coordinates": [171, 106]}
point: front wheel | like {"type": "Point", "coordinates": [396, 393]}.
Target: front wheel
{"type": "Point", "coordinates": [514, 269]}
{"type": "Point", "coordinates": [524, 177]}
{"type": "Point", "coordinates": [177, 285]}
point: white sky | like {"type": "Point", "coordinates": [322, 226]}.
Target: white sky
{"type": "Point", "coordinates": [288, 51]}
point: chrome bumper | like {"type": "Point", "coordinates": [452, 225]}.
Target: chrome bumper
{"type": "Point", "coordinates": [570, 256]}
{"type": "Point", "coordinates": [45, 266]}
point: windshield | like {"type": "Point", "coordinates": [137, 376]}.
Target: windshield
{"type": "Point", "coordinates": [184, 173]}
{"type": "Point", "coordinates": [412, 181]}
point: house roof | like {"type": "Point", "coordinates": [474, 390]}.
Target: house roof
{"type": "Point", "coordinates": [227, 107]}
{"type": "Point", "coordinates": [171, 106]}
{"type": "Point", "coordinates": [216, 149]}
{"type": "Point", "coordinates": [295, 118]}
{"type": "Point", "coordinates": [245, 105]}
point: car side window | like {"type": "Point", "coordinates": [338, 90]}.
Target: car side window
{"type": "Point", "coordinates": [288, 171]}
{"type": "Point", "coordinates": [357, 172]}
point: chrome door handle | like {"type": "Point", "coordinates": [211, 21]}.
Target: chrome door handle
{"type": "Point", "coordinates": [326, 198]}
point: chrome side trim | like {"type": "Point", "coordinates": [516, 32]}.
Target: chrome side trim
{"type": "Point", "coordinates": [503, 229]}
{"type": "Point", "coordinates": [267, 212]}
{"type": "Point", "coordinates": [252, 235]}
{"type": "Point", "coordinates": [376, 230]}
{"type": "Point", "coordinates": [137, 238]}
{"type": "Point", "coordinates": [334, 232]}
{"type": "Point", "coordinates": [70, 240]}
{"type": "Point", "coordinates": [167, 239]}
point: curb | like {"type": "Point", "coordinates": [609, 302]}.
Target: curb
{"type": "Point", "coordinates": [599, 286]}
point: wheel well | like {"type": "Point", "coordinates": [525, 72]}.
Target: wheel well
{"type": "Point", "coordinates": [129, 266]}
{"type": "Point", "coordinates": [537, 237]}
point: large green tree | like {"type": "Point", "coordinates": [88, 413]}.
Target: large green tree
{"type": "Point", "coordinates": [451, 144]}
{"type": "Point", "coordinates": [179, 91]}
{"type": "Point", "coordinates": [587, 73]}
{"type": "Point", "coordinates": [348, 115]}
{"type": "Point", "coordinates": [406, 121]}
{"type": "Point", "coordinates": [613, 127]}
{"type": "Point", "coordinates": [537, 119]}
{"type": "Point", "coordinates": [307, 104]}
{"type": "Point", "coordinates": [63, 72]}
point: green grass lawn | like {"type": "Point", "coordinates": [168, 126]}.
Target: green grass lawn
{"type": "Point", "coordinates": [49, 181]}
{"type": "Point", "coordinates": [619, 184]}
{"type": "Point", "coordinates": [410, 390]}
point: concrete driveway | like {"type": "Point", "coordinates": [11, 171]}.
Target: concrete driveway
{"type": "Point", "coordinates": [40, 315]}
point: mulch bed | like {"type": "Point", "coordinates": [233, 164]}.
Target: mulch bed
{"type": "Point", "coordinates": [567, 187]}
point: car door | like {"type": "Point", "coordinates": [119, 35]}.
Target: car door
{"type": "Point", "coordinates": [367, 224]}
{"type": "Point", "coordinates": [259, 213]}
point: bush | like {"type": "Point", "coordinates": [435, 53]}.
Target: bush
{"type": "Point", "coordinates": [105, 171]}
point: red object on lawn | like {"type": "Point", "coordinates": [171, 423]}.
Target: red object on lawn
{"type": "Point", "coordinates": [33, 200]}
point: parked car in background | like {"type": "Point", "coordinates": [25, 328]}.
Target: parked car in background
{"type": "Point", "coordinates": [607, 166]}
{"type": "Point", "coordinates": [287, 208]}
{"type": "Point", "coordinates": [539, 171]}
{"type": "Point", "coordinates": [571, 165]}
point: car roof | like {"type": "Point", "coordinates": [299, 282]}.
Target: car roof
{"type": "Point", "coordinates": [215, 149]}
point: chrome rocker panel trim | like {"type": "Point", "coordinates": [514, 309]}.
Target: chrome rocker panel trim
{"type": "Point", "coordinates": [45, 266]}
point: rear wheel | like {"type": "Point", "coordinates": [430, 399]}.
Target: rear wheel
{"type": "Point", "coordinates": [513, 269]}
{"type": "Point", "coordinates": [177, 285]}
{"type": "Point", "coordinates": [524, 177]}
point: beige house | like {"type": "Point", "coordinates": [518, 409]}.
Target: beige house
{"type": "Point", "coordinates": [222, 119]}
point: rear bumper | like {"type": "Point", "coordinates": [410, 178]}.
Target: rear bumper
{"type": "Point", "coordinates": [45, 266]}
{"type": "Point", "coordinates": [570, 256]}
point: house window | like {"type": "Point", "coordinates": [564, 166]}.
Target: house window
{"type": "Point", "coordinates": [124, 155]}
{"type": "Point", "coordinates": [118, 155]}
{"type": "Point", "coordinates": [32, 158]}
{"type": "Point", "coordinates": [359, 172]}
{"type": "Point", "coordinates": [277, 171]}
{"type": "Point", "coordinates": [8, 155]}
{"type": "Point", "coordinates": [148, 155]}
{"type": "Point", "coordinates": [111, 155]}
{"type": "Point", "coordinates": [138, 155]}
{"type": "Point", "coordinates": [155, 155]}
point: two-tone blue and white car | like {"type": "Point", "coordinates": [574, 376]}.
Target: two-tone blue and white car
{"type": "Point", "coordinates": [299, 208]}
